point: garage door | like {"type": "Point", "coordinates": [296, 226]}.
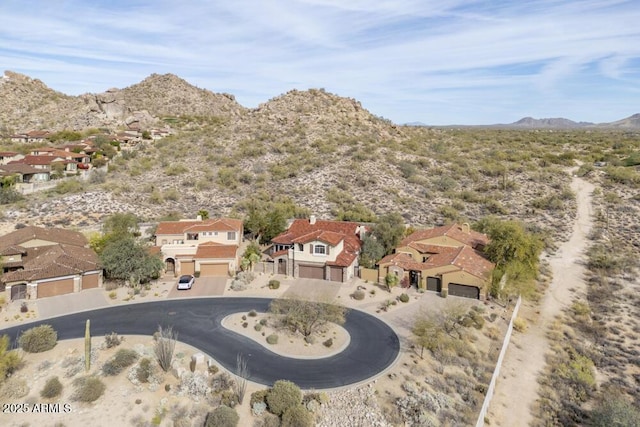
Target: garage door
{"type": "Point", "coordinates": [458, 290]}
{"type": "Point", "coordinates": [434, 284]}
{"type": "Point", "coordinates": [187, 267]}
{"type": "Point", "coordinates": [311, 272]}
{"type": "Point", "coordinates": [336, 274]}
{"type": "Point", "coordinates": [90, 281]}
{"type": "Point", "coordinates": [214, 270]}
{"type": "Point", "coordinates": [55, 287]}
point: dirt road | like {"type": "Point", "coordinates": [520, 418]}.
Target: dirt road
{"type": "Point", "coordinates": [517, 388]}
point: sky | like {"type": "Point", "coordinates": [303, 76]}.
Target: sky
{"type": "Point", "coordinates": [438, 62]}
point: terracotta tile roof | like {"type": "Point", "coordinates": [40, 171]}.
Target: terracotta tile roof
{"type": "Point", "coordinates": [216, 250]}
{"type": "Point", "coordinates": [20, 168]}
{"type": "Point", "coordinates": [463, 257]}
{"type": "Point", "coordinates": [38, 160]}
{"type": "Point", "coordinates": [12, 250]}
{"type": "Point", "coordinates": [54, 235]}
{"type": "Point", "coordinates": [180, 227]}
{"type": "Point", "coordinates": [330, 232]}
{"type": "Point", "coordinates": [7, 153]}
{"type": "Point", "coordinates": [55, 261]}
{"type": "Point", "coordinates": [454, 231]}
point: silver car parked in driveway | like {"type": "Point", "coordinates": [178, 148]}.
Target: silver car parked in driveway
{"type": "Point", "coordinates": [186, 282]}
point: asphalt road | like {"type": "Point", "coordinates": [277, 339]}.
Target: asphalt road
{"type": "Point", "coordinates": [373, 347]}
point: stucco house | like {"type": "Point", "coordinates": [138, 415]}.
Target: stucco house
{"type": "Point", "coordinates": [42, 262]}
{"type": "Point", "coordinates": [447, 258]}
{"type": "Point", "coordinates": [318, 249]}
{"type": "Point", "coordinates": [201, 247]}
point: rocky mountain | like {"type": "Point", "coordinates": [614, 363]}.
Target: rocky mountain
{"type": "Point", "coordinates": [169, 95]}
{"type": "Point", "coordinates": [631, 122]}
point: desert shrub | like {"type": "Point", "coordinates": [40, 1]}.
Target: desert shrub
{"type": "Point", "coordinates": [310, 339]}
{"type": "Point", "coordinates": [122, 359]}
{"type": "Point", "coordinates": [274, 284]}
{"type": "Point", "coordinates": [222, 416]}
{"type": "Point", "coordinates": [10, 360]}
{"type": "Point", "coordinates": [213, 369]}
{"type": "Point", "coordinates": [88, 389]}
{"type": "Point", "coordinates": [282, 396]}
{"type": "Point", "coordinates": [297, 416]}
{"type": "Point", "coordinates": [259, 396]}
{"type": "Point", "coordinates": [444, 293]}
{"type": "Point", "coordinates": [520, 324]}
{"type": "Point", "coordinates": [272, 339]}
{"type": "Point", "coordinates": [257, 327]}
{"type": "Point", "coordinates": [252, 313]}
{"type": "Point", "coordinates": [144, 370]}
{"type": "Point", "coordinates": [615, 412]}
{"type": "Point", "coordinates": [14, 388]}
{"type": "Point", "coordinates": [52, 388]}
{"type": "Point", "coordinates": [404, 298]}
{"type": "Point", "coordinates": [328, 343]}
{"type": "Point", "coordinates": [112, 340]}
{"type": "Point", "coordinates": [358, 295]}
{"type": "Point", "coordinates": [69, 186]}
{"type": "Point", "coordinates": [263, 322]}
{"type": "Point", "coordinates": [38, 339]}
{"type": "Point", "coordinates": [164, 346]}
{"type": "Point", "coordinates": [267, 420]}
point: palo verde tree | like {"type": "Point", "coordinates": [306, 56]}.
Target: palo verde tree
{"type": "Point", "coordinates": [515, 252]}
{"type": "Point", "coordinates": [388, 230]}
{"type": "Point", "coordinates": [266, 218]}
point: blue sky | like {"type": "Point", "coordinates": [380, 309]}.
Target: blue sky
{"type": "Point", "coordinates": [434, 61]}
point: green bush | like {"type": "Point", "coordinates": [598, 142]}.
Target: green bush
{"type": "Point", "coordinates": [284, 395]}
{"type": "Point", "coordinates": [328, 343]}
{"type": "Point", "coordinates": [404, 298]}
{"type": "Point", "coordinates": [274, 284]}
{"type": "Point", "coordinates": [297, 416]}
{"type": "Point", "coordinates": [122, 359]}
{"type": "Point", "coordinates": [272, 339]}
{"type": "Point", "coordinates": [38, 339]}
{"type": "Point", "coordinates": [257, 327]}
{"type": "Point", "coordinates": [259, 396]}
{"type": "Point", "coordinates": [358, 295]}
{"type": "Point", "coordinates": [52, 388]}
{"type": "Point", "coordinates": [88, 389]}
{"type": "Point", "coordinates": [252, 313]}
{"type": "Point", "coordinates": [222, 416]}
{"type": "Point", "coordinates": [10, 360]}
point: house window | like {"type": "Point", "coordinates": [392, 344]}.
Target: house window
{"type": "Point", "coordinates": [231, 235]}
{"type": "Point", "coordinates": [192, 236]}
{"type": "Point", "coordinates": [320, 250]}
{"type": "Point", "coordinates": [300, 247]}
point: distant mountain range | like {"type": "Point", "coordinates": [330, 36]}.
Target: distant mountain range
{"type": "Point", "coordinates": [631, 122]}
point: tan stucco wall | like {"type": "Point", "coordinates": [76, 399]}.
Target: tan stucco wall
{"type": "Point", "coordinates": [307, 256]}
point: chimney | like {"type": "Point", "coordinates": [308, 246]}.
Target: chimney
{"type": "Point", "coordinates": [312, 219]}
{"type": "Point", "coordinates": [466, 228]}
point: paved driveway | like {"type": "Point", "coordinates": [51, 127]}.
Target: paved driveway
{"type": "Point", "coordinates": [374, 346]}
{"type": "Point", "coordinates": [89, 299]}
{"type": "Point", "coordinates": [314, 289]}
{"type": "Point", "coordinates": [202, 287]}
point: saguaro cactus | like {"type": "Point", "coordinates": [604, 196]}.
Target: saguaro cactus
{"type": "Point", "coordinates": [87, 346]}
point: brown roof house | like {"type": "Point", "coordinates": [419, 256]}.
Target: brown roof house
{"type": "Point", "coordinates": [318, 249]}
{"type": "Point", "coordinates": [42, 262]}
{"type": "Point", "coordinates": [447, 258]}
{"type": "Point", "coordinates": [201, 247]}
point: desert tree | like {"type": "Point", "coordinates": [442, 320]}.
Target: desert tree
{"type": "Point", "coordinates": [307, 317]}
{"type": "Point", "coordinates": [128, 260]}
